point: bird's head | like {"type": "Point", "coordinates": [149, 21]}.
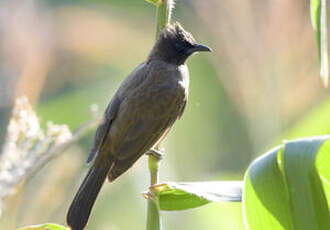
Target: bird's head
{"type": "Point", "coordinates": [175, 45]}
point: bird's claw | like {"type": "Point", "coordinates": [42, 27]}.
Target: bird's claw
{"type": "Point", "coordinates": [156, 153]}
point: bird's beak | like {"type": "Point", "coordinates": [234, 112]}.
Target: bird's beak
{"type": "Point", "coordinates": [199, 48]}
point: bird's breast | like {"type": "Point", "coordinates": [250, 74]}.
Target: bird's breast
{"type": "Point", "coordinates": [162, 90]}
{"type": "Point", "coordinates": [183, 81]}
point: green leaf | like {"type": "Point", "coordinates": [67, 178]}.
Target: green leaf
{"type": "Point", "coordinates": [47, 226]}
{"type": "Point", "coordinates": [288, 187]}
{"type": "Point", "coordinates": [155, 2]}
{"type": "Point", "coordinates": [181, 196]}
{"type": "Point", "coordinates": [315, 8]}
{"type": "Point", "coordinates": [319, 22]}
{"type": "Point", "coordinates": [322, 165]}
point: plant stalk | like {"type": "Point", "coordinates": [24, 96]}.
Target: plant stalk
{"type": "Point", "coordinates": [153, 218]}
{"type": "Point", "coordinates": [163, 17]}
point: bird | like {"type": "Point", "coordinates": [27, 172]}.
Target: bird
{"type": "Point", "coordinates": [138, 117]}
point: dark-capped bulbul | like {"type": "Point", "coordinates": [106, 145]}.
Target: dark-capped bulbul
{"type": "Point", "coordinates": [138, 117]}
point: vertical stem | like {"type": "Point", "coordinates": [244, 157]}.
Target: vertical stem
{"type": "Point", "coordinates": [163, 17]}
{"type": "Point", "coordinates": [153, 168]}
{"type": "Point", "coordinates": [153, 218]}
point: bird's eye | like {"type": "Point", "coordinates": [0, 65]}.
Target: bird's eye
{"type": "Point", "coordinates": [177, 46]}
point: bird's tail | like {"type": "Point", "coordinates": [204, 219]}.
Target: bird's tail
{"type": "Point", "coordinates": [83, 202]}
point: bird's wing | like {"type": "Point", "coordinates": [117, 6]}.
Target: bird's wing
{"type": "Point", "coordinates": [103, 129]}
{"type": "Point", "coordinates": [140, 138]}
{"type": "Point", "coordinates": [112, 110]}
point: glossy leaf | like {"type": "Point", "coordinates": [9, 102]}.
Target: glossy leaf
{"type": "Point", "coordinates": [182, 196]}
{"type": "Point", "coordinates": [47, 226]}
{"type": "Point", "coordinates": [156, 2]}
{"type": "Point", "coordinates": [319, 22]}
{"type": "Point", "coordinates": [288, 187]}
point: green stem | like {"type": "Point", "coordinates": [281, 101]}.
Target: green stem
{"type": "Point", "coordinates": [153, 168]}
{"type": "Point", "coordinates": [153, 218]}
{"type": "Point", "coordinates": [163, 17]}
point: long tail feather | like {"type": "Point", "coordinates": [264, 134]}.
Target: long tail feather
{"type": "Point", "coordinates": [83, 202]}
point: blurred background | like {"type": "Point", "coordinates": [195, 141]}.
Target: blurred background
{"type": "Point", "coordinates": [260, 85]}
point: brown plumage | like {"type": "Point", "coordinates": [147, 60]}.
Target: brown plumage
{"type": "Point", "coordinates": [141, 113]}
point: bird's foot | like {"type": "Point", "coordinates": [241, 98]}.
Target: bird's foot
{"type": "Point", "coordinates": [156, 153]}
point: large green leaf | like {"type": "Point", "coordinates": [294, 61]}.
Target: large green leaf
{"type": "Point", "coordinates": [156, 2]}
{"type": "Point", "coordinates": [319, 22]}
{"type": "Point", "coordinates": [47, 226]}
{"type": "Point", "coordinates": [288, 187]}
{"type": "Point", "coordinates": [181, 196]}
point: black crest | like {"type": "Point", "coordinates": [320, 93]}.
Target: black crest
{"type": "Point", "coordinates": [173, 45]}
